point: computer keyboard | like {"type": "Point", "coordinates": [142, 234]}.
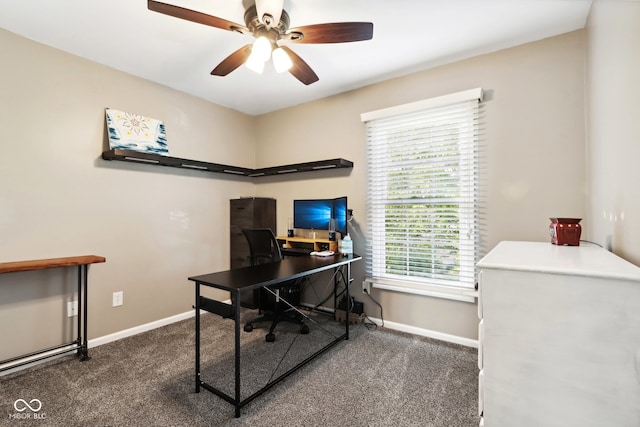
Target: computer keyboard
{"type": "Point", "coordinates": [296, 251]}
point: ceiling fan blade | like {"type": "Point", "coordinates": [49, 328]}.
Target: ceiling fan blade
{"type": "Point", "coordinates": [300, 69]}
{"type": "Point", "coordinates": [193, 16]}
{"type": "Point", "coordinates": [272, 8]}
{"type": "Point", "coordinates": [339, 32]}
{"type": "Point", "coordinates": [232, 61]}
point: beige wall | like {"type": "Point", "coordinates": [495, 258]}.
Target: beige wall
{"type": "Point", "coordinates": [613, 88]}
{"type": "Point", "coordinates": [533, 141]}
{"type": "Point", "coordinates": [156, 226]}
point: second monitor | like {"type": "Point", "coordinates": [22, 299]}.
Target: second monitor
{"type": "Point", "coordinates": [317, 213]}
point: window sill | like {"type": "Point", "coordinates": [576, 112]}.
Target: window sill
{"type": "Point", "coordinates": [437, 291]}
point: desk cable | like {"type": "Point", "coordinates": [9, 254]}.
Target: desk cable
{"type": "Point", "coordinates": [330, 283]}
{"type": "Point", "coordinates": [371, 325]}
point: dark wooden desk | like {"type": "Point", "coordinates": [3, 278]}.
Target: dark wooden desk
{"type": "Point", "coordinates": [80, 344]}
{"type": "Point", "coordinates": [247, 279]}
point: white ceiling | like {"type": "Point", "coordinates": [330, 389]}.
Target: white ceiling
{"type": "Point", "coordinates": [408, 36]}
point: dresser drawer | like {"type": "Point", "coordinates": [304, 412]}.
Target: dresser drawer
{"type": "Point", "coordinates": [480, 314]}
{"type": "Point", "coordinates": [241, 214]}
{"type": "Point", "coordinates": [481, 344]}
{"type": "Point", "coordinates": [481, 393]}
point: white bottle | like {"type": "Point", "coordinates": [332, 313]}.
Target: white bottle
{"type": "Point", "coordinates": [347, 245]}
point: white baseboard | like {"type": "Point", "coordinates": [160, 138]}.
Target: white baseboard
{"type": "Point", "coordinates": [141, 328]}
{"type": "Point", "coordinates": [468, 342]}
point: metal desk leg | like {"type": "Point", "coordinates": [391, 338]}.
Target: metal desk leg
{"type": "Point", "coordinates": [235, 301]}
{"type": "Point", "coordinates": [336, 270]}
{"type": "Point", "coordinates": [83, 299]}
{"type": "Point", "coordinates": [80, 301]}
{"type": "Point", "coordinates": [197, 307]}
{"type": "Point", "coordinates": [348, 299]}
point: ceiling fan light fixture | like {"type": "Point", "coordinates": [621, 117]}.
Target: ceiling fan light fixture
{"type": "Point", "coordinates": [261, 49]}
{"type": "Point", "coordinates": [281, 61]}
{"type": "Point", "coordinates": [254, 64]}
{"type": "Point", "coordinates": [268, 23]}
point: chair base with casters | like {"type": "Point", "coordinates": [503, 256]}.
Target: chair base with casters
{"type": "Point", "coordinates": [264, 248]}
{"type": "Point", "coordinates": [271, 337]}
{"type": "Point", "coordinates": [276, 312]}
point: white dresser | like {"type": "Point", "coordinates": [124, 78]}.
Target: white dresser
{"type": "Point", "coordinates": [559, 338]}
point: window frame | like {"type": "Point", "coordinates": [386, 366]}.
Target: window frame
{"type": "Point", "coordinates": [468, 154]}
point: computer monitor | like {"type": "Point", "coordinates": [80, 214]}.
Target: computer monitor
{"type": "Point", "coordinates": [312, 214]}
{"type": "Point", "coordinates": [341, 214]}
{"type": "Point", "coordinates": [317, 213]}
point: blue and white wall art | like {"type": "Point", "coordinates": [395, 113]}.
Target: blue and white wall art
{"type": "Point", "coordinates": [128, 131]}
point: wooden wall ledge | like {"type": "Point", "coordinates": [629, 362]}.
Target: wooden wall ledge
{"type": "Point", "coordinates": [41, 264]}
{"type": "Point", "coordinates": [176, 162]}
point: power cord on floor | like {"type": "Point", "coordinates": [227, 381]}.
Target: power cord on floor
{"type": "Point", "coordinates": [371, 325]}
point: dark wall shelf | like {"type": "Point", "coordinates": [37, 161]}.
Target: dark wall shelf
{"type": "Point", "coordinates": [155, 159]}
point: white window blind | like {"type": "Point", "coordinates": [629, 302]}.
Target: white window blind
{"type": "Point", "coordinates": [423, 192]}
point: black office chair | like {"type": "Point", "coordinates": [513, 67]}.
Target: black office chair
{"type": "Point", "coordinates": [264, 248]}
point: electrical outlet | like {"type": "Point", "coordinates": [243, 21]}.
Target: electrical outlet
{"type": "Point", "coordinates": [72, 308]}
{"type": "Point", "coordinates": [118, 298]}
{"type": "Point", "coordinates": [366, 287]}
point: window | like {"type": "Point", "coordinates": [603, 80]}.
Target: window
{"type": "Point", "coordinates": [422, 201]}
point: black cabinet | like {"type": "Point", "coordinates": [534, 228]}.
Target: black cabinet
{"type": "Point", "coordinates": [250, 212]}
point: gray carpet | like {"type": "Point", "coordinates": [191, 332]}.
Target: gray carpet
{"type": "Point", "coordinates": [377, 378]}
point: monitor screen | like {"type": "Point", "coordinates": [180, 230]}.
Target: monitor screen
{"type": "Point", "coordinates": [341, 214]}
{"type": "Point", "coordinates": [316, 214]}
{"type": "Point", "coordinates": [312, 214]}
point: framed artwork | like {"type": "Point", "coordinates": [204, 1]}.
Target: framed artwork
{"type": "Point", "coordinates": [129, 131]}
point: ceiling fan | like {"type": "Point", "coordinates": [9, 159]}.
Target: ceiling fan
{"type": "Point", "coordinates": [268, 22]}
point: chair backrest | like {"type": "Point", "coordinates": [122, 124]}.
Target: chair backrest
{"type": "Point", "coordinates": [263, 245]}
